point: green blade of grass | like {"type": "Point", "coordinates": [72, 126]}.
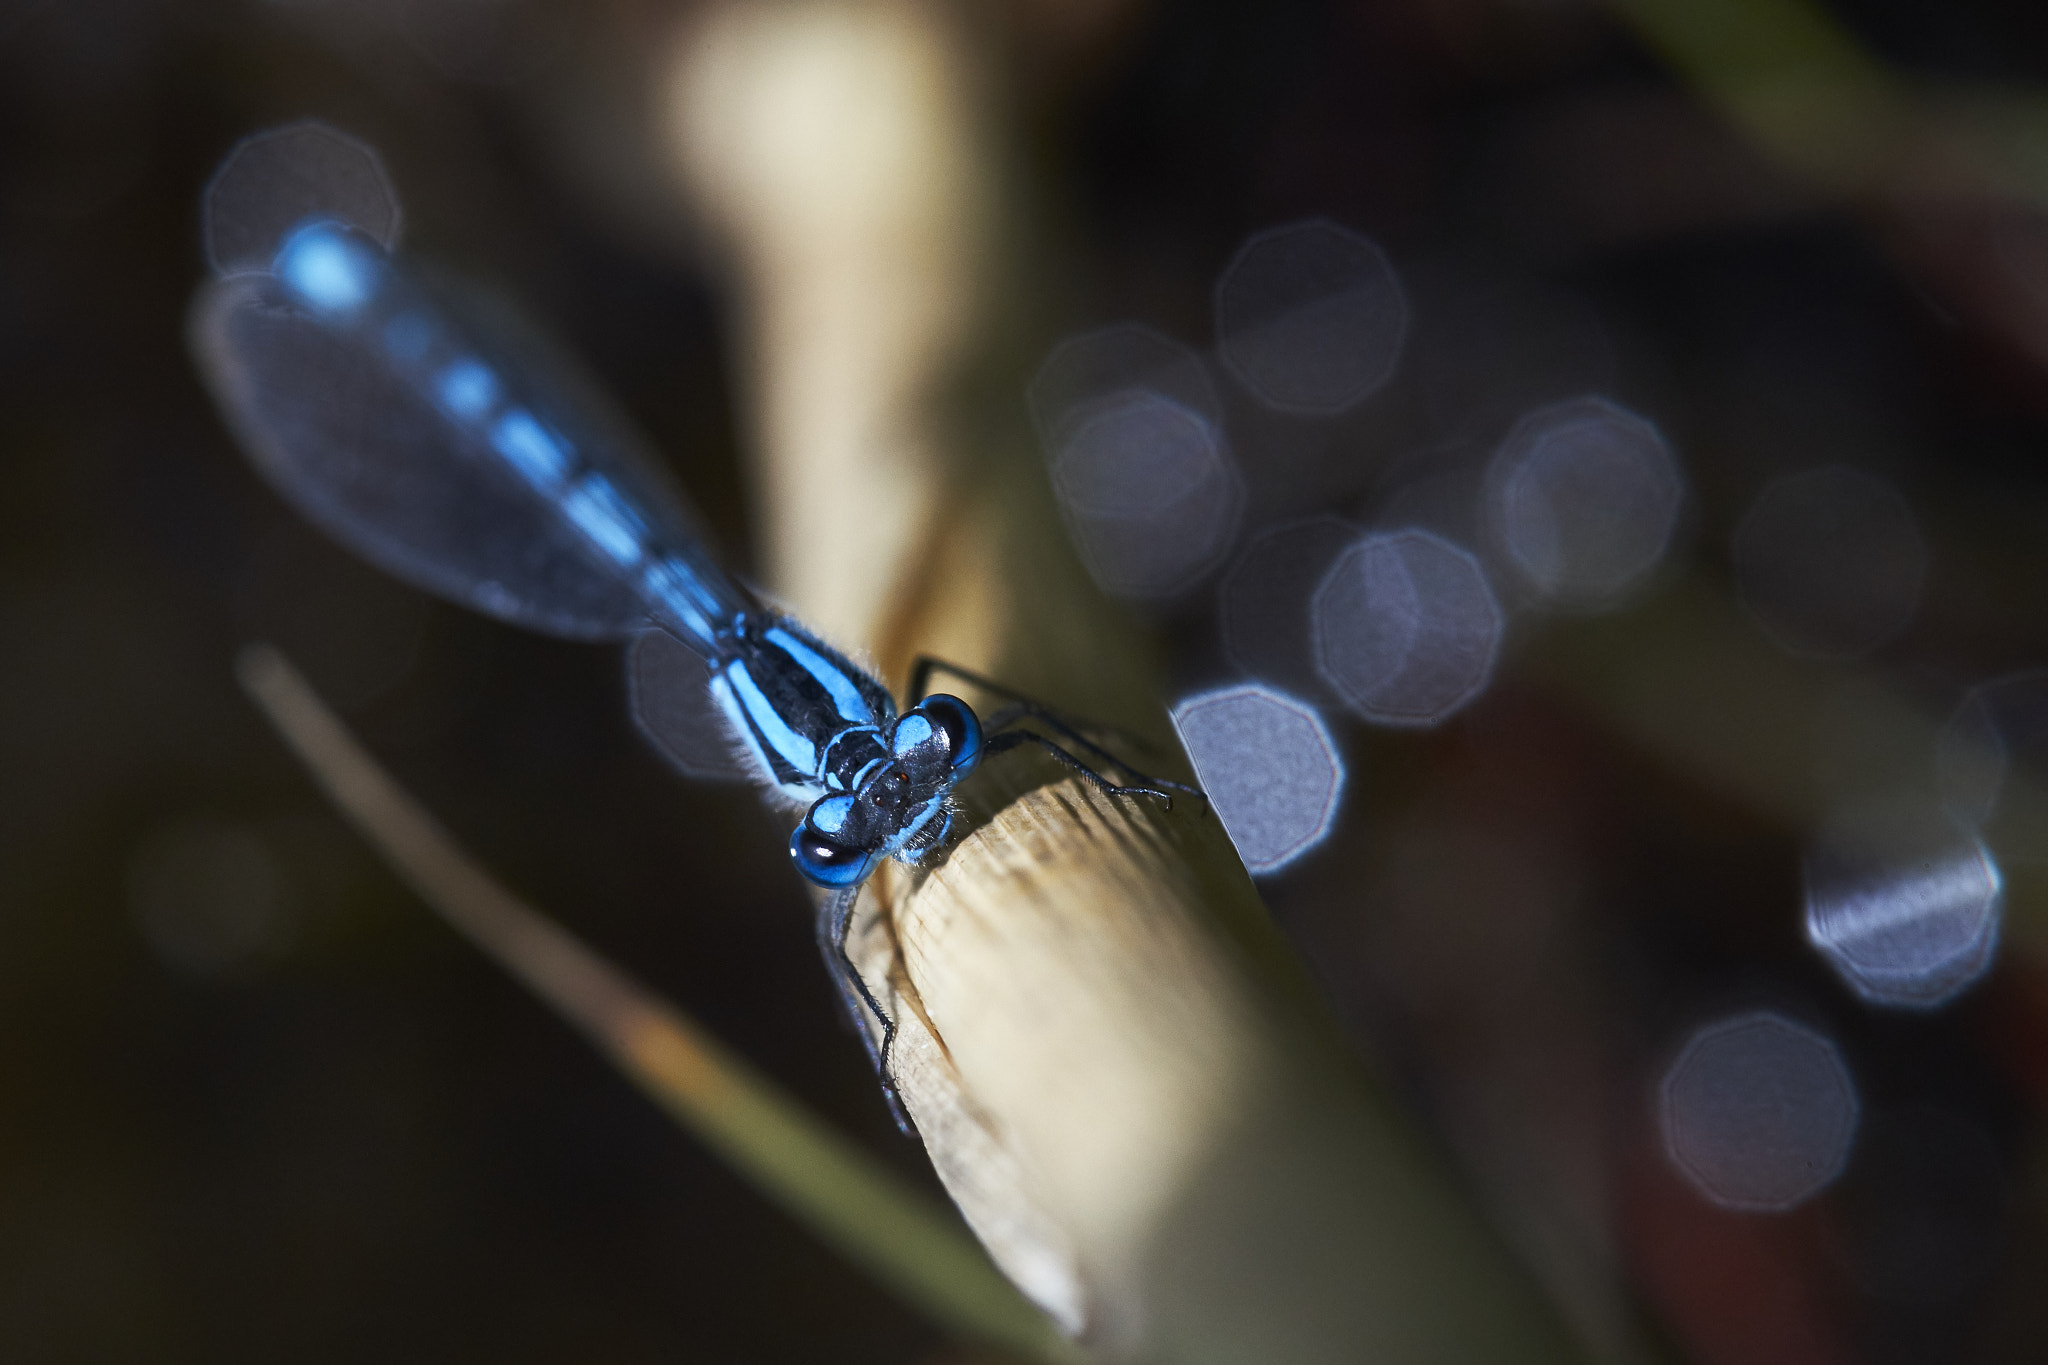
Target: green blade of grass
{"type": "Point", "coordinates": [1787, 75]}
{"type": "Point", "coordinates": [1798, 83]}
{"type": "Point", "coordinates": [896, 1234]}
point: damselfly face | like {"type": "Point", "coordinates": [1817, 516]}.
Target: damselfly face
{"type": "Point", "coordinates": [898, 805]}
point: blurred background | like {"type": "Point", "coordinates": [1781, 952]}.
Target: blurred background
{"type": "Point", "coordinates": [1604, 447]}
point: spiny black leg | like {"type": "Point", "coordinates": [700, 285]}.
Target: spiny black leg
{"type": "Point", "coordinates": [1011, 715]}
{"type": "Point", "coordinates": [833, 916]}
{"type": "Point", "coordinates": [835, 920]}
{"type": "Point", "coordinates": [1023, 706]}
{"type": "Point", "coordinates": [920, 674]}
{"type": "Point", "coordinates": [1012, 738]}
{"type": "Point", "coordinates": [926, 665]}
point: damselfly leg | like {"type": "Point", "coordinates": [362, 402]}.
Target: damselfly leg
{"type": "Point", "coordinates": [835, 921]}
{"type": "Point", "coordinates": [1003, 736]}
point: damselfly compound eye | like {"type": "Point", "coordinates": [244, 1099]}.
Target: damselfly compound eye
{"type": "Point", "coordinates": [825, 861]}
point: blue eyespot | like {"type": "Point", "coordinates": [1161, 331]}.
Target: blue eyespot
{"type": "Point", "coordinates": [821, 857]}
{"type": "Point", "coordinates": [912, 732]}
{"type": "Point", "coordinates": [956, 720]}
{"type": "Point", "coordinates": [828, 814]}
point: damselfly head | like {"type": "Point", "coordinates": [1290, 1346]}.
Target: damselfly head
{"type": "Point", "coordinates": [932, 746]}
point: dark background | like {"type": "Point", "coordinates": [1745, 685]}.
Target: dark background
{"type": "Point", "coordinates": [255, 1102]}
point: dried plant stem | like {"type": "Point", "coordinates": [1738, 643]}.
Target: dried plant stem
{"type": "Point", "coordinates": [816, 1175]}
{"type": "Point", "coordinates": [1098, 1037]}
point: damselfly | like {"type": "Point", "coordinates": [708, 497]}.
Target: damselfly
{"type": "Point", "coordinates": [422, 425]}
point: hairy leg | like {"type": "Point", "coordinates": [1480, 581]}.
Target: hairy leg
{"type": "Point", "coordinates": [835, 920]}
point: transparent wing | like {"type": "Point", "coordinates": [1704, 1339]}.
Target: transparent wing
{"type": "Point", "coordinates": [670, 688]}
{"type": "Point", "coordinates": [352, 441]}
